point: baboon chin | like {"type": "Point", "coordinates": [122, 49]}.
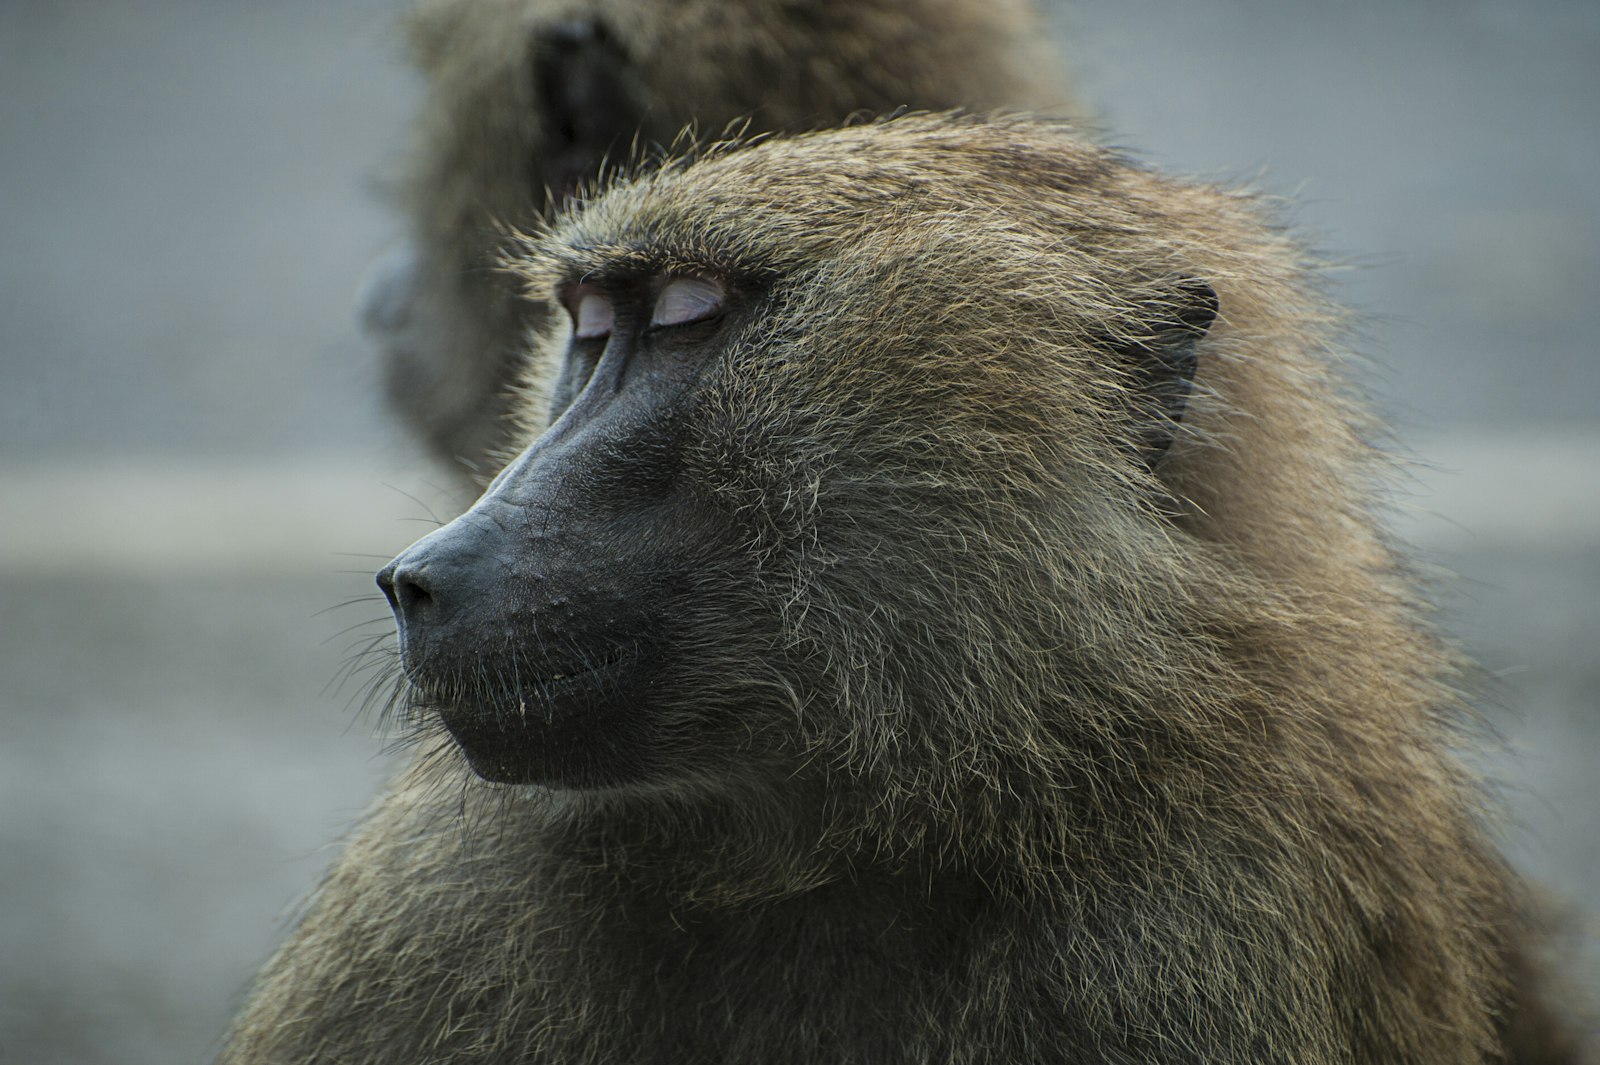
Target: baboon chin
{"type": "Point", "coordinates": [529, 100]}
{"type": "Point", "coordinates": [939, 617]}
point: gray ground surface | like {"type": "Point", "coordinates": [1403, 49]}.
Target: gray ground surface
{"type": "Point", "coordinates": [189, 436]}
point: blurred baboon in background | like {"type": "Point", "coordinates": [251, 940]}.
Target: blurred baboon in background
{"type": "Point", "coordinates": [945, 621]}
{"type": "Point", "coordinates": [527, 98]}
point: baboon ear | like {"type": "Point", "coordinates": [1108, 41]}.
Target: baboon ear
{"type": "Point", "coordinates": [589, 104]}
{"type": "Point", "coordinates": [1165, 357]}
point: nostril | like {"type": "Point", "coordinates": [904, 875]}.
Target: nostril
{"type": "Point", "coordinates": [404, 590]}
{"type": "Point", "coordinates": [437, 588]}
{"type": "Point", "coordinates": [412, 596]}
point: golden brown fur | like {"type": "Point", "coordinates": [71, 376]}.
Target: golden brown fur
{"type": "Point", "coordinates": [1011, 745]}
{"type": "Point", "coordinates": [485, 155]}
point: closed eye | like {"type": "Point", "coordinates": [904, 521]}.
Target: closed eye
{"type": "Point", "coordinates": [593, 317]}
{"type": "Point", "coordinates": [687, 299]}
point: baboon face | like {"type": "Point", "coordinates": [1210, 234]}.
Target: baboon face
{"type": "Point", "coordinates": [544, 624]}
{"type": "Point", "coordinates": [794, 413]}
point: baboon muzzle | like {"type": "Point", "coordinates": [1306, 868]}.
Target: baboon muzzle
{"type": "Point", "coordinates": [526, 648]}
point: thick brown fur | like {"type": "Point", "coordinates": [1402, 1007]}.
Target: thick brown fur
{"type": "Point", "coordinates": [1016, 746]}
{"type": "Point", "coordinates": [486, 157]}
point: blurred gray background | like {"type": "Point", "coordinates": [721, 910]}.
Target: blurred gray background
{"type": "Point", "coordinates": [194, 467]}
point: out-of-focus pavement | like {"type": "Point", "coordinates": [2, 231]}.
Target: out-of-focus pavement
{"type": "Point", "coordinates": [193, 462]}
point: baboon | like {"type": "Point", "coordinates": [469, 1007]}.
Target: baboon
{"type": "Point", "coordinates": [527, 98]}
{"type": "Point", "coordinates": [944, 620]}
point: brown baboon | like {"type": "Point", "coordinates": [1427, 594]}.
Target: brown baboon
{"type": "Point", "coordinates": [527, 98]}
{"type": "Point", "coordinates": [945, 621]}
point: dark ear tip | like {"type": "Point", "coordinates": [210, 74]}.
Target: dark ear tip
{"type": "Point", "coordinates": [1199, 307]}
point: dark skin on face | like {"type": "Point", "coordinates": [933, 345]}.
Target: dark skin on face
{"type": "Point", "coordinates": [536, 623]}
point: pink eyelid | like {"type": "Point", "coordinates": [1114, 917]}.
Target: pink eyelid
{"type": "Point", "coordinates": [687, 299]}
{"type": "Point", "coordinates": [593, 316]}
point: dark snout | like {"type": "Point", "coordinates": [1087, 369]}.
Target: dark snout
{"type": "Point", "coordinates": [446, 590]}
{"type": "Point", "coordinates": [536, 625]}
{"type": "Point", "coordinates": [523, 643]}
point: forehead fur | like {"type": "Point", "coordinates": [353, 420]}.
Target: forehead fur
{"type": "Point", "coordinates": [767, 205]}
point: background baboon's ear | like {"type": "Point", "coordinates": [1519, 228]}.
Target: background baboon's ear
{"type": "Point", "coordinates": [1164, 359]}
{"type": "Point", "coordinates": [589, 105]}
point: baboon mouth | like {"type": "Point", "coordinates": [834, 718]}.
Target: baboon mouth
{"type": "Point", "coordinates": [581, 673]}
{"type": "Point", "coordinates": [540, 729]}
{"type": "Point", "coordinates": [519, 691]}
